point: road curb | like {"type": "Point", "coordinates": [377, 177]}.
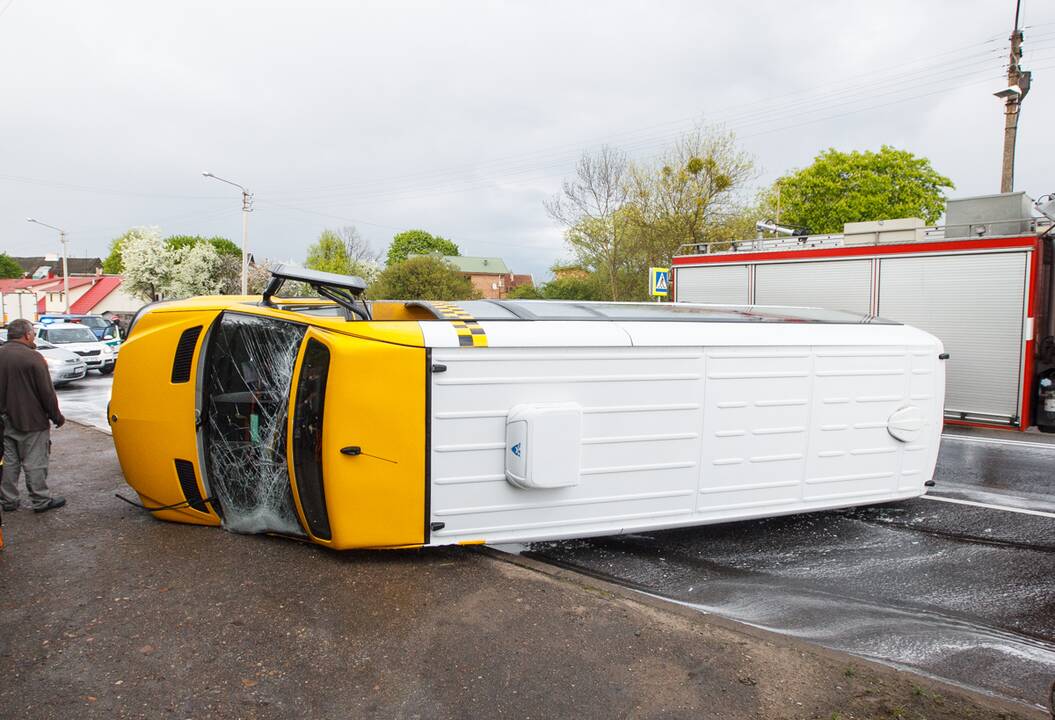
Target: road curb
{"type": "Point", "coordinates": [88, 426]}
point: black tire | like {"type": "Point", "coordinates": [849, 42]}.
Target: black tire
{"type": "Point", "coordinates": [106, 371]}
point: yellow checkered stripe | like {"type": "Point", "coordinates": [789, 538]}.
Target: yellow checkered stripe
{"type": "Point", "coordinates": [470, 334]}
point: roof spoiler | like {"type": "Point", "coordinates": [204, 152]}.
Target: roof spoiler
{"type": "Point", "coordinates": [345, 290]}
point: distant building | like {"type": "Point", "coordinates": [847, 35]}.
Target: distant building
{"type": "Point", "coordinates": [45, 267]}
{"type": "Point", "coordinates": [491, 277]}
{"type": "Point", "coordinates": [28, 298]}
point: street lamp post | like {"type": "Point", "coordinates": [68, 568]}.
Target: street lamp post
{"type": "Point", "coordinates": [65, 268]}
{"type": "Point", "coordinates": [247, 207]}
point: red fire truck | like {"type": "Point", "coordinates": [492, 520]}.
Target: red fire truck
{"type": "Point", "coordinates": [982, 283]}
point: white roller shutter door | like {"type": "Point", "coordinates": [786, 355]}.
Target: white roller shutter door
{"type": "Point", "coordinates": [719, 284]}
{"type": "Point", "coordinates": [833, 284]}
{"type": "Point", "coordinates": [976, 305]}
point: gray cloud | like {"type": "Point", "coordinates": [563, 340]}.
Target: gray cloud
{"type": "Point", "coordinates": [461, 117]}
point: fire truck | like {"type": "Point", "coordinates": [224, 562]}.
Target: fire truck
{"type": "Point", "coordinates": [982, 283]}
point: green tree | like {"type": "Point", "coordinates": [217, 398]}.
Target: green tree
{"type": "Point", "coordinates": [690, 190]}
{"type": "Point", "coordinates": [419, 242]}
{"type": "Point", "coordinates": [591, 287]}
{"type": "Point", "coordinates": [858, 186]}
{"type": "Point", "coordinates": [8, 267]}
{"type": "Point", "coordinates": [622, 217]}
{"type": "Point", "coordinates": [113, 264]}
{"type": "Point", "coordinates": [689, 196]}
{"type": "Point", "coordinates": [524, 292]}
{"type": "Point", "coordinates": [422, 278]}
{"type": "Point", "coordinates": [343, 251]}
{"type": "Point", "coordinates": [221, 245]}
{"type": "Point", "coordinates": [329, 254]}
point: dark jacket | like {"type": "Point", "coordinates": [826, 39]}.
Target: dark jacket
{"type": "Point", "coordinates": [27, 396]}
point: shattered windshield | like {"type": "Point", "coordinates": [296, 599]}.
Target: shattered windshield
{"type": "Point", "coordinates": [249, 369]}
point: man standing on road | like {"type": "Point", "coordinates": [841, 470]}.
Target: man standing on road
{"type": "Point", "coordinates": [27, 403]}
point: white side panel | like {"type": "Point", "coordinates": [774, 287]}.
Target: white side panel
{"type": "Point", "coordinates": [756, 429]}
{"type": "Point", "coordinates": [680, 436]}
{"type": "Point", "coordinates": [835, 285]}
{"type": "Point", "coordinates": [976, 304]}
{"type": "Point", "coordinates": [794, 428]}
{"type": "Point", "coordinates": [716, 284]}
{"type": "Point", "coordinates": [640, 439]}
{"type": "Point", "coordinates": [852, 455]}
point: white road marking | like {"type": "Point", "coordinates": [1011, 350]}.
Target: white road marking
{"type": "Point", "coordinates": [1021, 511]}
{"type": "Point", "coordinates": [997, 441]}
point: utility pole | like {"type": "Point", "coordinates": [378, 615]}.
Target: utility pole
{"type": "Point", "coordinates": [65, 267]}
{"type": "Point", "coordinates": [247, 207]}
{"type": "Point", "coordinates": [1018, 82]}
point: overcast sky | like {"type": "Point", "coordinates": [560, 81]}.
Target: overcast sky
{"type": "Point", "coordinates": [462, 117]}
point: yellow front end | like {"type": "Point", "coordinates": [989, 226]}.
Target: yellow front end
{"type": "Point", "coordinates": [371, 448]}
{"type": "Point", "coordinates": [152, 418]}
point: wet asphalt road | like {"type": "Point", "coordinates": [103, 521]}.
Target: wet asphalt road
{"type": "Point", "coordinates": [85, 400]}
{"type": "Point", "coordinates": [962, 592]}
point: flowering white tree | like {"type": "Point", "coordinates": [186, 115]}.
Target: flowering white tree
{"type": "Point", "coordinates": [368, 269]}
{"type": "Point", "coordinates": [146, 262]}
{"type": "Point", "coordinates": [259, 277]}
{"type": "Point", "coordinates": [196, 269]}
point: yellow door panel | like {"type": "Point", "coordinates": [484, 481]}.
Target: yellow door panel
{"type": "Point", "coordinates": [152, 417]}
{"type": "Point", "coordinates": [375, 401]}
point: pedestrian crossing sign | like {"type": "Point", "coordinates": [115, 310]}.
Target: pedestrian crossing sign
{"type": "Point", "coordinates": [659, 281]}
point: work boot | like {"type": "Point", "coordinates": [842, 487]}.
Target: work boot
{"type": "Point", "coordinates": [55, 502]}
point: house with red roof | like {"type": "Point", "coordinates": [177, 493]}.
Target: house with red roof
{"type": "Point", "coordinates": [95, 294]}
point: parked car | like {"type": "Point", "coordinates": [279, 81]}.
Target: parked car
{"type": "Point", "coordinates": [79, 339]}
{"type": "Point", "coordinates": [103, 328]}
{"type": "Point", "coordinates": [64, 366]}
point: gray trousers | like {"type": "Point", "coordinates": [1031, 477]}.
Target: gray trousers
{"type": "Point", "coordinates": [26, 452]}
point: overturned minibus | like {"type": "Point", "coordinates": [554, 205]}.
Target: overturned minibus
{"type": "Point", "coordinates": [384, 424]}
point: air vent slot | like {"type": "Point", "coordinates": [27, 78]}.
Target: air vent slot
{"type": "Point", "coordinates": [181, 363]}
{"type": "Point", "coordinates": [189, 484]}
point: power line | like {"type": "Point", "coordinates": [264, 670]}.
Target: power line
{"type": "Point", "coordinates": [528, 169]}
{"type": "Point", "coordinates": [459, 235]}
{"type": "Point", "coordinates": [851, 81]}
{"type": "Point", "coordinates": [472, 184]}
{"type": "Point", "coordinates": [518, 165]}
{"type": "Point", "coordinates": [101, 190]}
